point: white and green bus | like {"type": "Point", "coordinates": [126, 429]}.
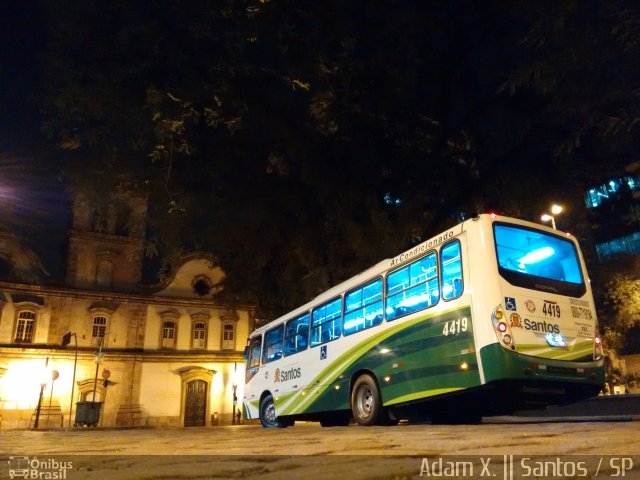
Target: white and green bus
{"type": "Point", "coordinates": [495, 314]}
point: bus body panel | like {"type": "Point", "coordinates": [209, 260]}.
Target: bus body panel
{"type": "Point", "coordinates": [535, 316]}
{"type": "Point", "coordinates": [447, 349]}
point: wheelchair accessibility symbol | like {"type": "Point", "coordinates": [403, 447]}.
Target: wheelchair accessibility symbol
{"type": "Point", "coordinates": [510, 303]}
{"type": "Point", "coordinates": [323, 352]}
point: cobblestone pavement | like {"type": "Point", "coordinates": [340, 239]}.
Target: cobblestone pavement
{"type": "Point", "coordinates": [309, 451]}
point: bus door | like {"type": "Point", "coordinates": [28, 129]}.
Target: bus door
{"type": "Point", "coordinates": [253, 388]}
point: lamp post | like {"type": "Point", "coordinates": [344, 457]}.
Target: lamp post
{"type": "Point", "coordinates": [98, 359]}
{"type": "Point", "coordinates": [105, 383]}
{"type": "Point", "coordinates": [66, 340]}
{"type": "Point", "coordinates": [54, 376]}
{"type": "Point", "coordinates": [555, 210]}
{"type": "Point", "coordinates": [43, 383]}
{"type": "Point", "coordinates": [234, 386]}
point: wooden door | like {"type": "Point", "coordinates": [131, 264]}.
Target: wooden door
{"type": "Point", "coordinates": [195, 408]}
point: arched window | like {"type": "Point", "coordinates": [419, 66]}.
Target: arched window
{"type": "Point", "coordinates": [99, 329]}
{"type": "Point", "coordinates": [199, 339]}
{"type": "Point", "coordinates": [168, 334]}
{"type": "Point", "coordinates": [104, 274]}
{"type": "Point", "coordinates": [228, 336]}
{"type": "Point", "coordinates": [25, 326]}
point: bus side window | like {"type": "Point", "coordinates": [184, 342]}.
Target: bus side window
{"type": "Point", "coordinates": [363, 307]}
{"type": "Point", "coordinates": [253, 357]}
{"type": "Point", "coordinates": [326, 324]}
{"type": "Point", "coordinates": [296, 336]}
{"type": "Point", "coordinates": [412, 288]}
{"type": "Point", "coordinates": [451, 267]}
{"type": "Point", "coordinates": [273, 344]}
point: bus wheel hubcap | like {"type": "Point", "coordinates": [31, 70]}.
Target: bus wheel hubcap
{"type": "Point", "coordinates": [270, 413]}
{"type": "Point", "coordinates": [366, 402]}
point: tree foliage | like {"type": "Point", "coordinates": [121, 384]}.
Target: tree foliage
{"type": "Point", "coordinates": [623, 291]}
{"type": "Point", "coordinates": [582, 63]}
{"type": "Point", "coordinates": [303, 141]}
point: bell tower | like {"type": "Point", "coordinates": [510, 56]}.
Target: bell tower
{"type": "Point", "coordinates": [106, 241]}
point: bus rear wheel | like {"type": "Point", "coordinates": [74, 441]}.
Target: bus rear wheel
{"type": "Point", "coordinates": [366, 401]}
{"type": "Point", "coordinates": [268, 417]}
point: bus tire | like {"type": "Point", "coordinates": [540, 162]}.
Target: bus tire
{"type": "Point", "coordinates": [366, 401]}
{"type": "Point", "coordinates": [268, 417]}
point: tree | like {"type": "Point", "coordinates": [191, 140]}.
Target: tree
{"type": "Point", "coordinates": [297, 142]}
{"type": "Point", "coordinates": [582, 62]}
{"type": "Point", "coordinates": [303, 142]}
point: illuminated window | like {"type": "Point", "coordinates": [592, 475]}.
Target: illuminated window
{"type": "Point", "coordinates": [363, 307]}
{"type": "Point", "coordinates": [168, 335]}
{"type": "Point", "coordinates": [228, 336]}
{"type": "Point", "coordinates": [326, 325]}
{"type": "Point", "coordinates": [253, 359]}
{"type": "Point", "coordinates": [273, 344]}
{"type": "Point", "coordinates": [625, 245]}
{"type": "Point", "coordinates": [451, 267]}
{"type": "Point", "coordinates": [99, 327]}
{"type": "Point", "coordinates": [596, 195]}
{"type": "Point", "coordinates": [25, 326]}
{"type": "Point", "coordinates": [296, 336]}
{"type": "Point", "coordinates": [413, 287]}
{"type": "Point", "coordinates": [199, 335]}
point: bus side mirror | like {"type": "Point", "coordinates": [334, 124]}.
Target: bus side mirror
{"type": "Point", "coordinates": [246, 353]}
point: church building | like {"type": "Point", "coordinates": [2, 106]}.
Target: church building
{"type": "Point", "coordinates": [100, 348]}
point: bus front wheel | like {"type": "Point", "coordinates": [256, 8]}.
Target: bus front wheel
{"type": "Point", "coordinates": [268, 417]}
{"type": "Point", "coordinates": [366, 402]}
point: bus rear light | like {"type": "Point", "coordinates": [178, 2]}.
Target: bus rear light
{"type": "Point", "coordinates": [597, 343]}
{"type": "Point", "coordinates": [597, 348]}
{"type": "Point", "coordinates": [503, 332]}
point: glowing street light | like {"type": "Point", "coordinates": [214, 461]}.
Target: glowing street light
{"type": "Point", "coordinates": [555, 210]}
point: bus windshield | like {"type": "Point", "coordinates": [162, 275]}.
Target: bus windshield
{"type": "Point", "coordinates": [538, 260]}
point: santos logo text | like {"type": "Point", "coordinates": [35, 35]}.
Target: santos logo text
{"type": "Point", "coordinates": [541, 326]}
{"type": "Point", "coordinates": [283, 376]}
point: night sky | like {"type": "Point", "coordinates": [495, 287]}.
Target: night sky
{"type": "Point", "coordinates": [32, 197]}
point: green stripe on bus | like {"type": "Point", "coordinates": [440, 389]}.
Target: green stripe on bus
{"type": "Point", "coordinates": [501, 364]}
{"type": "Point", "coordinates": [317, 395]}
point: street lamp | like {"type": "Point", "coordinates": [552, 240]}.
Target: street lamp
{"type": "Point", "coordinates": [54, 376]}
{"type": "Point", "coordinates": [98, 359]}
{"type": "Point", "coordinates": [234, 386]}
{"type": "Point", "coordinates": [555, 210]}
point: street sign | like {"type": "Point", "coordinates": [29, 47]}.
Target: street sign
{"type": "Point", "coordinates": [66, 340]}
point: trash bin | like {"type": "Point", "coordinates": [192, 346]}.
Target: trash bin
{"type": "Point", "coordinates": [87, 413]}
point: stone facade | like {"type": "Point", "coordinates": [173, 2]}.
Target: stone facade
{"type": "Point", "coordinates": [157, 355]}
